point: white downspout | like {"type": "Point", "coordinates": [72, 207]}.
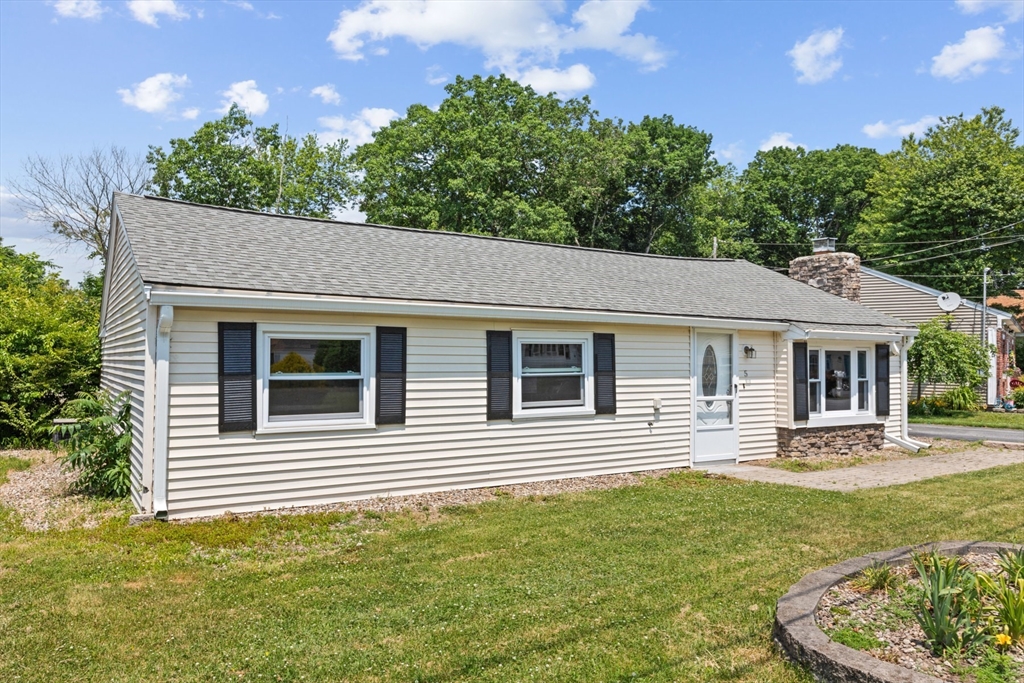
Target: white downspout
{"type": "Point", "coordinates": [904, 401]}
{"type": "Point", "coordinates": [162, 410]}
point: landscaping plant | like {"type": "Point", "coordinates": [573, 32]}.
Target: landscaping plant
{"type": "Point", "coordinates": [99, 443]}
{"type": "Point", "coordinates": [1012, 563]}
{"type": "Point", "coordinates": [945, 609]}
{"type": "Point", "coordinates": [1007, 605]}
{"type": "Point", "coordinates": [878, 577]}
{"type": "Point", "coordinates": [961, 398]}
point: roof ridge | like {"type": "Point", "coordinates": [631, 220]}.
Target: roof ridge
{"type": "Point", "coordinates": [382, 226]}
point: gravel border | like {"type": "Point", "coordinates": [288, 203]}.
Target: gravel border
{"type": "Point", "coordinates": [797, 633]}
{"type": "Point", "coordinates": [431, 502]}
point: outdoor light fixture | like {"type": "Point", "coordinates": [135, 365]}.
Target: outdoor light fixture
{"type": "Point", "coordinates": [749, 352]}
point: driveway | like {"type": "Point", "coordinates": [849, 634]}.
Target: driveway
{"type": "Point", "coordinates": [967, 433]}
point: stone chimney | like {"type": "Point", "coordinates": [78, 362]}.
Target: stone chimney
{"type": "Point", "coordinates": [830, 271]}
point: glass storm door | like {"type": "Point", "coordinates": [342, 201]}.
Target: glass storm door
{"type": "Point", "coordinates": [714, 415]}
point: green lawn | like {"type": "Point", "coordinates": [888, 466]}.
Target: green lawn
{"type": "Point", "coordinates": [675, 579]}
{"type": "Point", "coordinates": [974, 419]}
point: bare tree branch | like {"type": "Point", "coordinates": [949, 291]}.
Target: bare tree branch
{"type": "Point", "coordinates": [73, 193]}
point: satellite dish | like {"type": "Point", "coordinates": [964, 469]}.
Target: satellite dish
{"type": "Point", "coordinates": [949, 302]}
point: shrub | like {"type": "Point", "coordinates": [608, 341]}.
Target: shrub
{"type": "Point", "coordinates": [961, 398]}
{"type": "Point", "coordinates": [100, 443]}
{"type": "Point", "coordinates": [49, 346]}
{"type": "Point", "coordinates": [943, 355]}
{"type": "Point", "coordinates": [1017, 396]}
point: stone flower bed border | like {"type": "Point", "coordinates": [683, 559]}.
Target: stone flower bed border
{"type": "Point", "coordinates": [798, 634]}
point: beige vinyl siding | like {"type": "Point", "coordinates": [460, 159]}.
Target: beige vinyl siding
{"type": "Point", "coordinates": [124, 347]}
{"type": "Point", "coordinates": [757, 408]}
{"type": "Point", "coordinates": [783, 384]}
{"type": "Point", "coordinates": [893, 423]}
{"type": "Point", "coordinates": [914, 306]}
{"type": "Point", "coordinates": [446, 442]}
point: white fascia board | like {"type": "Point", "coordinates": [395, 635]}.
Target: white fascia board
{"type": "Point", "coordinates": [934, 292]}
{"type": "Point", "coordinates": [268, 301]}
{"type": "Point", "coordinates": [797, 333]}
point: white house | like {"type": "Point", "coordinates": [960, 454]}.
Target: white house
{"type": "Point", "coordinates": [277, 361]}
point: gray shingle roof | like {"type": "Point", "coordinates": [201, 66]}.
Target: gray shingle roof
{"type": "Point", "coordinates": [188, 244]}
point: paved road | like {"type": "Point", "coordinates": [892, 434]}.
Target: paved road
{"type": "Point", "coordinates": [889, 473]}
{"type": "Point", "coordinates": [967, 433]}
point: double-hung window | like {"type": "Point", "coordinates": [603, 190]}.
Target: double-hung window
{"type": "Point", "coordinates": [314, 378]}
{"type": "Point", "coordinates": [553, 374]}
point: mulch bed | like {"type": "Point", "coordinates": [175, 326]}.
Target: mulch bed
{"type": "Point", "coordinates": [888, 618]}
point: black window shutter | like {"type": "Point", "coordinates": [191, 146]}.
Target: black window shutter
{"type": "Point", "coordinates": [604, 373]}
{"type": "Point", "coordinates": [499, 375]}
{"type": "Point", "coordinates": [881, 379]}
{"type": "Point", "coordinates": [391, 366]}
{"type": "Point", "coordinates": [236, 368]}
{"type": "Point", "coordinates": [800, 395]}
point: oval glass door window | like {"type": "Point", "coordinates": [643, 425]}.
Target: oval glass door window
{"type": "Point", "coordinates": [709, 373]}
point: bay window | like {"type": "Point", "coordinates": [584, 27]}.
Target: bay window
{"type": "Point", "coordinates": [838, 382]}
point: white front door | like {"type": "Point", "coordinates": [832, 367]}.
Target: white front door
{"type": "Point", "coordinates": [715, 433]}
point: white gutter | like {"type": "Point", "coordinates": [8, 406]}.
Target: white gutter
{"type": "Point", "coordinates": [162, 411]}
{"type": "Point", "coordinates": [795, 332]}
{"type": "Point", "coordinates": [268, 301]}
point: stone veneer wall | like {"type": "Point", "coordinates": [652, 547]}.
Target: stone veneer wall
{"type": "Point", "coordinates": [844, 440]}
{"type": "Point", "coordinates": [833, 272]}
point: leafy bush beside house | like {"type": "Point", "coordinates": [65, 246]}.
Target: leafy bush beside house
{"type": "Point", "coordinates": [49, 345]}
{"type": "Point", "coordinates": [942, 355]}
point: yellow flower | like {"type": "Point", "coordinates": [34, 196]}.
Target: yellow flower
{"type": "Point", "coordinates": [1003, 640]}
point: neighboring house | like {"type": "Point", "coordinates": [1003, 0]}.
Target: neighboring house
{"type": "Point", "coordinates": [276, 361]}
{"type": "Point", "coordinates": [842, 275]}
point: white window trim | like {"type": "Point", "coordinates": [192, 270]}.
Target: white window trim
{"type": "Point", "coordinates": [265, 331]}
{"type": "Point", "coordinates": [853, 416]}
{"type": "Point", "coordinates": [541, 337]}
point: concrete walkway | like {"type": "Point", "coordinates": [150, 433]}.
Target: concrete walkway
{"type": "Point", "coordinates": [889, 473]}
{"type": "Point", "coordinates": [967, 433]}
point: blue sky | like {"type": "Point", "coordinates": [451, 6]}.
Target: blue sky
{"type": "Point", "coordinates": [77, 74]}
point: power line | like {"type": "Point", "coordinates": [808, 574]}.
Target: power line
{"type": "Point", "coordinates": [985, 247]}
{"type": "Point", "coordinates": [966, 239]}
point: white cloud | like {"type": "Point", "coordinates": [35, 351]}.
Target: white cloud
{"type": "Point", "coordinates": [357, 130]}
{"type": "Point", "coordinates": [79, 9]}
{"type": "Point", "coordinates": [435, 75]}
{"type": "Point", "coordinates": [247, 96]}
{"type": "Point", "coordinates": [814, 58]}
{"type": "Point", "coordinates": [30, 235]}
{"type": "Point", "coordinates": [147, 11]}
{"type": "Point", "coordinates": [190, 113]}
{"type": "Point", "coordinates": [516, 36]}
{"type": "Point", "coordinates": [241, 4]}
{"type": "Point", "coordinates": [898, 128]}
{"type": "Point", "coordinates": [731, 152]}
{"type": "Point", "coordinates": [971, 56]}
{"type": "Point", "coordinates": [155, 94]}
{"type": "Point", "coordinates": [779, 140]}
{"type": "Point", "coordinates": [1012, 9]}
{"type": "Point", "coordinates": [565, 82]}
{"type": "Point", "coordinates": [326, 93]}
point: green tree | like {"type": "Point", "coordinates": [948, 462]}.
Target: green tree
{"type": "Point", "coordinates": [233, 162]}
{"type": "Point", "coordinates": [495, 159]}
{"type": "Point", "coordinates": [791, 196]}
{"type": "Point", "coordinates": [667, 163]}
{"type": "Point", "coordinates": [943, 355]}
{"type": "Point", "coordinates": [962, 182]}
{"type": "Point", "coordinates": [49, 346]}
